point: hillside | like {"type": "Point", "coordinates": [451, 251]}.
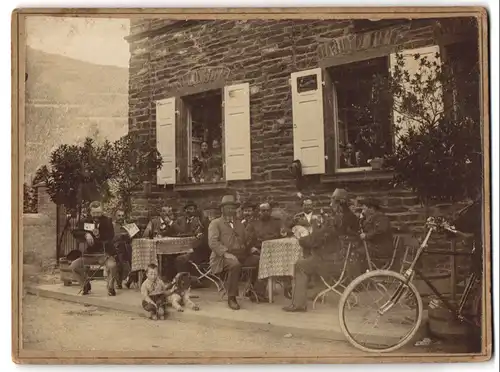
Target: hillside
{"type": "Point", "coordinates": [68, 100]}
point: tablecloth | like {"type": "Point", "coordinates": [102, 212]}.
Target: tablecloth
{"type": "Point", "coordinates": [143, 253]}
{"type": "Point", "coordinates": [278, 257]}
{"type": "Point", "coordinates": [175, 245]}
{"type": "Point", "coordinates": [146, 251]}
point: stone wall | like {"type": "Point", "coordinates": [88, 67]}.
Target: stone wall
{"type": "Point", "coordinates": [39, 232]}
{"type": "Point", "coordinates": [264, 54]}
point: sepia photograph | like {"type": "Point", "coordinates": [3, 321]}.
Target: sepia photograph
{"type": "Point", "coordinates": [251, 186]}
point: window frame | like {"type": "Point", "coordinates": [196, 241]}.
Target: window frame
{"type": "Point", "coordinates": [183, 138]}
{"type": "Point", "coordinates": [332, 169]}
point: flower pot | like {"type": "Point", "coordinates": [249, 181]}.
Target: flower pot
{"type": "Point", "coordinates": [377, 163]}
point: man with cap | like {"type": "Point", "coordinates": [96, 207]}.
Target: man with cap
{"type": "Point", "coordinates": [230, 251]}
{"type": "Point", "coordinates": [376, 232]}
{"type": "Point", "coordinates": [348, 223]}
{"type": "Point", "coordinates": [193, 224]}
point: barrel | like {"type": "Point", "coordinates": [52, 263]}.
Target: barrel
{"type": "Point", "coordinates": [66, 273]}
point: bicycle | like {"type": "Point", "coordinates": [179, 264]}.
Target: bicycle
{"type": "Point", "coordinates": [405, 295]}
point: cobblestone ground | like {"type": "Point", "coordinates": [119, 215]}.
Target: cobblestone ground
{"type": "Point", "coordinates": [55, 325]}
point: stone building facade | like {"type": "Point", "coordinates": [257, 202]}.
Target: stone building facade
{"type": "Point", "coordinates": [276, 89]}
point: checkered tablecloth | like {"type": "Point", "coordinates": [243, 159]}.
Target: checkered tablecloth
{"type": "Point", "coordinates": [146, 251]}
{"type": "Point", "coordinates": [175, 245]}
{"type": "Point", "coordinates": [278, 257]}
{"type": "Point", "coordinates": [143, 253]}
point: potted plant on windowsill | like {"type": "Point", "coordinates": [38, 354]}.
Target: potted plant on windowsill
{"type": "Point", "coordinates": [376, 163]}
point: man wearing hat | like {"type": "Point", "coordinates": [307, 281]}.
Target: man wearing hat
{"type": "Point", "coordinates": [377, 232]}
{"type": "Point", "coordinates": [347, 220]}
{"type": "Point", "coordinates": [228, 241]}
{"type": "Point", "coordinates": [192, 224]}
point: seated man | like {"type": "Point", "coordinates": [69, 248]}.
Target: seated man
{"type": "Point", "coordinates": [325, 255]}
{"type": "Point", "coordinates": [123, 246]}
{"type": "Point", "coordinates": [307, 218]}
{"type": "Point", "coordinates": [265, 228]}
{"type": "Point", "coordinates": [99, 242]}
{"type": "Point", "coordinates": [377, 232]}
{"type": "Point", "coordinates": [193, 224]}
{"type": "Point", "coordinates": [228, 242]}
{"type": "Point", "coordinates": [162, 225]}
{"type": "Point", "coordinates": [250, 213]}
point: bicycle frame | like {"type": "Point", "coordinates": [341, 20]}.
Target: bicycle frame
{"type": "Point", "coordinates": [409, 275]}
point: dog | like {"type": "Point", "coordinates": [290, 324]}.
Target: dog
{"type": "Point", "coordinates": [182, 293]}
{"type": "Point", "coordinates": [133, 279]}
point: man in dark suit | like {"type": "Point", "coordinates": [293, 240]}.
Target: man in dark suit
{"type": "Point", "coordinates": [162, 225]}
{"type": "Point", "coordinates": [99, 233]}
{"type": "Point", "coordinates": [123, 246]}
{"type": "Point", "coordinates": [193, 224]}
{"type": "Point", "coordinates": [377, 232]}
{"type": "Point", "coordinates": [324, 247]}
{"type": "Point", "coordinates": [230, 251]}
{"type": "Point", "coordinates": [266, 227]}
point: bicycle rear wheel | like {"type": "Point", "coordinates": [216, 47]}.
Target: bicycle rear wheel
{"type": "Point", "coordinates": [384, 297]}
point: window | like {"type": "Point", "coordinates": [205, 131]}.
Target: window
{"type": "Point", "coordinates": [205, 137]}
{"type": "Point", "coordinates": [345, 115]}
{"type": "Point", "coordinates": [362, 115]}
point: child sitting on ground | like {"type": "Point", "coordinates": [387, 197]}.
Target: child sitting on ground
{"type": "Point", "coordinates": [154, 294]}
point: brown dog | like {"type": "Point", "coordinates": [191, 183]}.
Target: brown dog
{"type": "Point", "coordinates": [181, 295]}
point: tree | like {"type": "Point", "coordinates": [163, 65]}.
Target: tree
{"type": "Point", "coordinates": [135, 162]}
{"type": "Point", "coordinates": [79, 174]}
{"type": "Point", "coordinates": [438, 152]}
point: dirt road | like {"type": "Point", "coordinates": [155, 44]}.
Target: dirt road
{"type": "Point", "coordinates": [54, 326]}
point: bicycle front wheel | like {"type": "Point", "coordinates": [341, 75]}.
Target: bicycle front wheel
{"type": "Point", "coordinates": [380, 312]}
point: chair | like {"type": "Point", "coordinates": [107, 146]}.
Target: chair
{"type": "Point", "coordinates": [246, 276]}
{"type": "Point", "coordinates": [337, 282]}
{"type": "Point", "coordinates": [205, 272]}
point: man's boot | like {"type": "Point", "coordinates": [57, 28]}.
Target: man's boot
{"type": "Point", "coordinates": [233, 304]}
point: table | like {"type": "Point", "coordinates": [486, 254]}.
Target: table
{"type": "Point", "coordinates": [278, 258]}
{"type": "Point", "coordinates": [146, 251]}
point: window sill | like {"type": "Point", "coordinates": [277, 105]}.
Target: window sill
{"type": "Point", "coordinates": [208, 186]}
{"type": "Point", "coordinates": [360, 176]}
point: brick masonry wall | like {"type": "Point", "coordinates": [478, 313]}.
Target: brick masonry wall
{"type": "Point", "coordinates": [264, 54]}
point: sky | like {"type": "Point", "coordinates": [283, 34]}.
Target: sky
{"type": "Point", "coordinates": [96, 40]}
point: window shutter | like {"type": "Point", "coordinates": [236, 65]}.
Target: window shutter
{"type": "Point", "coordinates": [308, 123]}
{"type": "Point", "coordinates": [412, 66]}
{"type": "Point", "coordinates": [237, 146]}
{"type": "Point", "coordinates": [165, 140]}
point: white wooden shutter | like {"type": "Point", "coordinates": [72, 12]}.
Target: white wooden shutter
{"type": "Point", "coordinates": [412, 66]}
{"type": "Point", "coordinates": [237, 146]}
{"type": "Point", "coordinates": [308, 122]}
{"type": "Point", "coordinates": [165, 140]}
